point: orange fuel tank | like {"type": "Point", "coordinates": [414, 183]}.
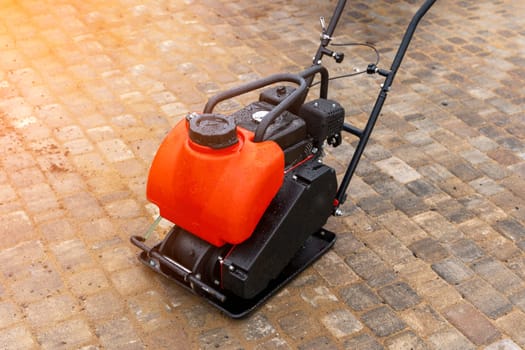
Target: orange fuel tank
{"type": "Point", "coordinates": [217, 193]}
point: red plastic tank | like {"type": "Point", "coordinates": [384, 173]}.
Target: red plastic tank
{"type": "Point", "coordinates": [218, 195]}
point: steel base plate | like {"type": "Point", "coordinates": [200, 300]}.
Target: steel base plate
{"type": "Point", "coordinates": [235, 307]}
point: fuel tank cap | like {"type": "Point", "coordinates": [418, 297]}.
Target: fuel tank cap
{"type": "Point", "coordinates": [212, 130]}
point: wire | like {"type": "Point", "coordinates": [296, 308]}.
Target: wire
{"type": "Point", "coordinates": [356, 73]}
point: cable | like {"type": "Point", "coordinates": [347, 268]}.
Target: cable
{"type": "Point", "coordinates": [356, 73]}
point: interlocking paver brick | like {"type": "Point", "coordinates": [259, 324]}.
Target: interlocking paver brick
{"type": "Point", "coordinates": [399, 296]}
{"type": "Point", "coordinates": [17, 338]}
{"type": "Point", "coordinates": [514, 325]}
{"type": "Point", "coordinates": [450, 339]}
{"type": "Point", "coordinates": [297, 325]}
{"type": "Point", "coordinates": [485, 298]}
{"type": "Point", "coordinates": [504, 344]}
{"type": "Point", "coordinates": [429, 250]}
{"type": "Point", "coordinates": [88, 90]}
{"type": "Point", "coordinates": [118, 334]}
{"type": "Point", "coordinates": [405, 340]}
{"type": "Point", "coordinates": [341, 323]}
{"type": "Point", "coordinates": [424, 320]}
{"type": "Point", "coordinates": [370, 267]}
{"type": "Point", "coordinates": [360, 297]}
{"type": "Point", "coordinates": [50, 310]}
{"type": "Point", "coordinates": [333, 269]}
{"type": "Point", "coordinates": [466, 250]}
{"type": "Point", "coordinates": [271, 344]}
{"type": "Point", "coordinates": [383, 322]}
{"type": "Point", "coordinates": [362, 342]}
{"type": "Point", "coordinates": [66, 335]}
{"type": "Point", "coordinates": [453, 270]}
{"type": "Point", "coordinates": [471, 323]}
{"type": "Point", "coordinates": [499, 276]}
{"type": "Point", "coordinates": [322, 343]}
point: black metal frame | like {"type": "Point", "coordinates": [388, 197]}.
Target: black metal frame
{"type": "Point", "coordinates": [364, 134]}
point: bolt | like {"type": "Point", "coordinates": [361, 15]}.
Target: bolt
{"type": "Point", "coordinates": [152, 263]}
{"type": "Point", "coordinates": [338, 212]}
{"type": "Point", "coordinates": [231, 268]}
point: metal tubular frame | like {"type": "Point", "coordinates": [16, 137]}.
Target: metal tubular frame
{"type": "Point", "coordinates": [364, 134]}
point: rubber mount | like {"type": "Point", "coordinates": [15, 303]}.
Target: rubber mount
{"type": "Point", "coordinates": [213, 130]}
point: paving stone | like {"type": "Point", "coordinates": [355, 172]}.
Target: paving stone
{"type": "Point", "coordinates": [42, 284]}
{"type": "Point", "coordinates": [402, 227]}
{"type": "Point", "coordinates": [16, 228]}
{"type": "Point", "coordinates": [360, 297]}
{"type": "Point", "coordinates": [453, 270]}
{"type": "Point", "coordinates": [118, 333]}
{"type": "Point", "coordinates": [334, 270]}
{"type": "Point", "coordinates": [318, 296]}
{"type": "Point", "coordinates": [297, 325]}
{"type": "Point", "coordinates": [466, 250]}
{"type": "Point", "coordinates": [50, 310]}
{"type": "Point", "coordinates": [321, 343]}
{"type": "Point", "coordinates": [450, 339]}
{"type": "Point", "coordinates": [387, 247]}
{"type": "Point", "coordinates": [398, 169]}
{"type": "Point", "coordinates": [429, 250]}
{"type": "Point", "coordinates": [483, 208]}
{"type": "Point", "coordinates": [471, 323]}
{"type": "Point", "coordinates": [518, 299]}
{"type": "Point", "coordinates": [274, 343]}
{"type": "Point", "coordinates": [399, 296]}
{"type": "Point", "coordinates": [375, 205]}
{"type": "Point", "coordinates": [454, 211]}
{"type": "Point", "coordinates": [513, 324]}
{"type": "Point", "coordinates": [382, 321]}
{"type": "Point", "coordinates": [370, 267]}
{"type": "Point", "coordinates": [88, 282]}
{"type": "Point", "coordinates": [504, 344]}
{"type": "Point", "coordinates": [102, 305]}
{"type": "Point", "coordinates": [66, 335]}
{"type": "Point", "coordinates": [258, 327]}
{"type": "Point", "coordinates": [130, 281]}
{"type": "Point", "coordinates": [485, 298]}
{"type": "Point", "coordinates": [499, 276]}
{"type": "Point", "coordinates": [410, 204]}
{"type": "Point", "coordinates": [9, 314]}
{"type": "Point", "coordinates": [511, 228]}
{"type": "Point", "coordinates": [437, 226]}
{"type": "Point", "coordinates": [362, 342]}
{"type": "Point", "coordinates": [83, 206]}
{"type": "Point", "coordinates": [422, 188]}
{"type": "Point", "coordinates": [16, 338]}
{"type": "Point", "coordinates": [341, 323]}
{"type": "Point", "coordinates": [424, 320]}
{"type": "Point", "coordinates": [72, 255]}
{"type": "Point", "coordinates": [486, 186]}
{"type": "Point", "coordinates": [405, 340]}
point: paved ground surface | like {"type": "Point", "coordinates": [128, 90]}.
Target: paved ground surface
{"type": "Point", "coordinates": [430, 253]}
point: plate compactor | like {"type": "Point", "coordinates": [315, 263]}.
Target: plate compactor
{"type": "Point", "coordinates": [248, 193]}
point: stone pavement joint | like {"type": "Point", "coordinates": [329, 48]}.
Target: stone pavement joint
{"type": "Point", "coordinates": [431, 247]}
